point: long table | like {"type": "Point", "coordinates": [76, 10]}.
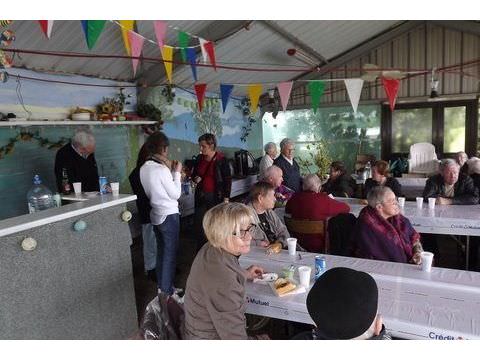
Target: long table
{"type": "Point", "coordinates": [444, 219]}
{"type": "Point", "coordinates": [443, 304]}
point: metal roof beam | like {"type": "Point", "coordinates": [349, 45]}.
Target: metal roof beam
{"type": "Point", "coordinates": [295, 41]}
{"type": "Point", "coordinates": [467, 26]}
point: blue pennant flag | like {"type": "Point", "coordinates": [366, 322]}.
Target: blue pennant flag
{"type": "Point", "coordinates": [85, 28]}
{"type": "Point", "coordinates": [225, 91]}
{"type": "Point", "coordinates": [192, 59]}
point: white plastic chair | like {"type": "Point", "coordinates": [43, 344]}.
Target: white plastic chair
{"type": "Point", "coordinates": [422, 159]}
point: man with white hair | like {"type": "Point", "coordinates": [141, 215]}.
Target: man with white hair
{"type": "Point", "coordinates": [290, 168]}
{"type": "Point", "coordinates": [461, 158]}
{"type": "Point", "coordinates": [450, 186]}
{"type": "Point", "coordinates": [78, 160]}
{"type": "Point", "coordinates": [267, 160]}
{"type": "Point", "coordinates": [274, 176]}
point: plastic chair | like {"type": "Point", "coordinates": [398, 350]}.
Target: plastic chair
{"type": "Point", "coordinates": [308, 227]}
{"type": "Point", "coordinates": [422, 159]}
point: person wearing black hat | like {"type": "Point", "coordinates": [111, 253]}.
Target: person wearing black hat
{"type": "Point", "coordinates": [343, 303]}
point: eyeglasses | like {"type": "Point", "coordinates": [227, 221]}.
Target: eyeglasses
{"type": "Point", "coordinates": [243, 233]}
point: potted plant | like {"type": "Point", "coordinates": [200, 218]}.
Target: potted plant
{"type": "Point", "coordinates": [318, 156]}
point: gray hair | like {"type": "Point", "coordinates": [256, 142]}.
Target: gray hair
{"type": "Point", "coordinates": [269, 146]}
{"type": "Point", "coordinates": [285, 142]}
{"type": "Point", "coordinates": [474, 166]}
{"type": "Point", "coordinates": [377, 195]}
{"type": "Point", "coordinates": [270, 172]}
{"type": "Point", "coordinates": [311, 182]}
{"type": "Point", "coordinates": [83, 137]}
{"type": "Point", "coordinates": [445, 163]}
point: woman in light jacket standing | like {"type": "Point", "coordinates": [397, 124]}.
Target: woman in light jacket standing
{"type": "Point", "coordinates": [160, 178]}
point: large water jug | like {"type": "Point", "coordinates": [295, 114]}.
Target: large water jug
{"type": "Point", "coordinates": [39, 197]}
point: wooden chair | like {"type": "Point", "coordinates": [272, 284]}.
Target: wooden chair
{"type": "Point", "coordinates": [308, 227]}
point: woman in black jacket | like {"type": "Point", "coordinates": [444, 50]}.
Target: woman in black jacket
{"type": "Point", "coordinates": [339, 183]}
{"type": "Point", "coordinates": [381, 176]}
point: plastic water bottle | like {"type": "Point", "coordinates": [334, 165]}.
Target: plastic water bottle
{"type": "Point", "coordinates": [39, 197]}
{"type": "Point", "coordinates": [368, 170]}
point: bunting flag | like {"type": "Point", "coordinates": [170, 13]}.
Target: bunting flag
{"type": "Point", "coordinates": [254, 92]}
{"type": "Point", "coordinates": [92, 30]}
{"type": "Point", "coordinates": [391, 89]}
{"type": "Point", "coordinates": [136, 45]}
{"type": "Point", "coordinates": [192, 59]}
{"type": "Point", "coordinates": [167, 54]}
{"type": "Point", "coordinates": [183, 40]}
{"type": "Point", "coordinates": [284, 90]}
{"type": "Point", "coordinates": [225, 91]}
{"type": "Point", "coordinates": [316, 89]}
{"type": "Point", "coordinates": [204, 52]}
{"type": "Point", "coordinates": [127, 25]}
{"type": "Point", "coordinates": [46, 26]}
{"type": "Point", "coordinates": [200, 91]}
{"type": "Point", "coordinates": [210, 50]}
{"type": "Point", "coordinates": [160, 32]}
{"type": "Point", "coordinates": [354, 90]}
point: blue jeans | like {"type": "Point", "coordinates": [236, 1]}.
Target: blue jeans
{"type": "Point", "coordinates": [167, 245]}
{"type": "Point", "coordinates": [149, 247]}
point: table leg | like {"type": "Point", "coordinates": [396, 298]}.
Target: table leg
{"type": "Point", "coordinates": [467, 252]}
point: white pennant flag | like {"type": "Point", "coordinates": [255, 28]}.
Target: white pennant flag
{"type": "Point", "coordinates": [354, 90]}
{"type": "Point", "coordinates": [204, 52]}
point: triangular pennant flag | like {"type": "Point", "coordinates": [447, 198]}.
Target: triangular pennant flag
{"type": "Point", "coordinates": [354, 90]}
{"type": "Point", "coordinates": [391, 89]}
{"type": "Point", "coordinates": [316, 89]}
{"type": "Point", "coordinates": [183, 39]}
{"type": "Point", "coordinates": [85, 28]}
{"type": "Point", "coordinates": [160, 32]}
{"type": "Point", "coordinates": [192, 59]}
{"type": "Point", "coordinates": [284, 90]}
{"type": "Point", "coordinates": [254, 92]}
{"type": "Point", "coordinates": [126, 26]}
{"type": "Point", "coordinates": [94, 29]}
{"type": "Point", "coordinates": [211, 53]}
{"type": "Point", "coordinates": [167, 54]}
{"type": "Point", "coordinates": [225, 91]}
{"type": "Point", "coordinates": [204, 52]}
{"type": "Point", "coordinates": [136, 45]}
{"type": "Point", "coordinates": [200, 91]}
{"type": "Point", "coordinates": [46, 26]}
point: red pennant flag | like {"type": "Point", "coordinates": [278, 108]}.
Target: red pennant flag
{"type": "Point", "coordinates": [211, 53]}
{"type": "Point", "coordinates": [200, 91]}
{"type": "Point", "coordinates": [391, 89]}
{"type": "Point", "coordinates": [46, 26]}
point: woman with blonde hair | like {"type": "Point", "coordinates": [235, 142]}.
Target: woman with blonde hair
{"type": "Point", "coordinates": [215, 293]}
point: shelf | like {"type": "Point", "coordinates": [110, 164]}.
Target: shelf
{"type": "Point", "coordinates": [71, 123]}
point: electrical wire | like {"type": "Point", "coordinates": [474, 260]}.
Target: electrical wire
{"type": "Point", "coordinates": [18, 91]}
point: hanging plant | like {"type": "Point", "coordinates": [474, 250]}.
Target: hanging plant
{"type": "Point", "coordinates": [153, 113]}
{"type": "Point", "coordinates": [244, 107]}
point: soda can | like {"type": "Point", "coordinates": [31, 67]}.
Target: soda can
{"type": "Point", "coordinates": [102, 181]}
{"type": "Point", "coordinates": [320, 266]}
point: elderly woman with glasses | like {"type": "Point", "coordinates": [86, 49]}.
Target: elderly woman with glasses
{"type": "Point", "coordinates": [382, 233]}
{"type": "Point", "coordinates": [215, 293]}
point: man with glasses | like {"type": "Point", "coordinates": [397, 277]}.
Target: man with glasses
{"type": "Point", "coordinates": [290, 168]}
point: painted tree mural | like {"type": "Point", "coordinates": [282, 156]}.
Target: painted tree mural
{"type": "Point", "coordinates": [207, 121]}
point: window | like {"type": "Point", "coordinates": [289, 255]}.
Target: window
{"type": "Point", "coordinates": [410, 127]}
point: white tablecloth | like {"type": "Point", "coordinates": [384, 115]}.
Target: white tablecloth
{"type": "Point", "coordinates": [443, 304]}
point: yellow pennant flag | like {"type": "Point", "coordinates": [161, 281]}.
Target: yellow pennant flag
{"type": "Point", "coordinates": [126, 26]}
{"type": "Point", "coordinates": [254, 92]}
{"type": "Point", "coordinates": [167, 54]}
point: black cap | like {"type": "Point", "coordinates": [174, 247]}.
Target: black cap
{"type": "Point", "coordinates": [343, 303]}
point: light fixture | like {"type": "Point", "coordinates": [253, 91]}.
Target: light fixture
{"type": "Point", "coordinates": [433, 85]}
{"type": "Point", "coordinates": [303, 57]}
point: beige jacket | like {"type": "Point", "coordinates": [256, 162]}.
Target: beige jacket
{"type": "Point", "coordinates": [277, 226]}
{"type": "Point", "coordinates": [215, 296]}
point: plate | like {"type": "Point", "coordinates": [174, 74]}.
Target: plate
{"type": "Point", "coordinates": [80, 116]}
{"type": "Point", "coordinates": [298, 289]}
{"type": "Point", "coordinates": [266, 278]}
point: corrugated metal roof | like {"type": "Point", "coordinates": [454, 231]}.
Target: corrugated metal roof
{"type": "Point", "coordinates": [257, 46]}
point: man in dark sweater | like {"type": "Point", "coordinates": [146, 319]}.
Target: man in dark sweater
{"type": "Point", "coordinates": [290, 168]}
{"type": "Point", "coordinates": [78, 159]}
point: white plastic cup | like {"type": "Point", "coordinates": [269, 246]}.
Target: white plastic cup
{"type": "Point", "coordinates": [77, 188]}
{"type": "Point", "coordinates": [401, 201]}
{"type": "Point", "coordinates": [304, 273]}
{"type": "Point", "coordinates": [115, 186]}
{"type": "Point", "coordinates": [427, 258]}
{"type": "Point", "coordinates": [431, 203]}
{"type": "Point", "coordinates": [292, 246]}
{"type": "Point", "coordinates": [419, 202]}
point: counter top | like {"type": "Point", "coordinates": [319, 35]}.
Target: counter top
{"type": "Point", "coordinates": [28, 221]}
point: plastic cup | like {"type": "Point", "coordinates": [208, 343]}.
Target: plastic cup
{"type": "Point", "coordinates": [115, 186]}
{"type": "Point", "coordinates": [419, 202]}
{"type": "Point", "coordinates": [431, 203]}
{"type": "Point", "coordinates": [77, 188]}
{"type": "Point", "coordinates": [292, 246]}
{"type": "Point", "coordinates": [304, 273]}
{"type": "Point", "coordinates": [401, 201]}
{"type": "Point", "coordinates": [427, 258]}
